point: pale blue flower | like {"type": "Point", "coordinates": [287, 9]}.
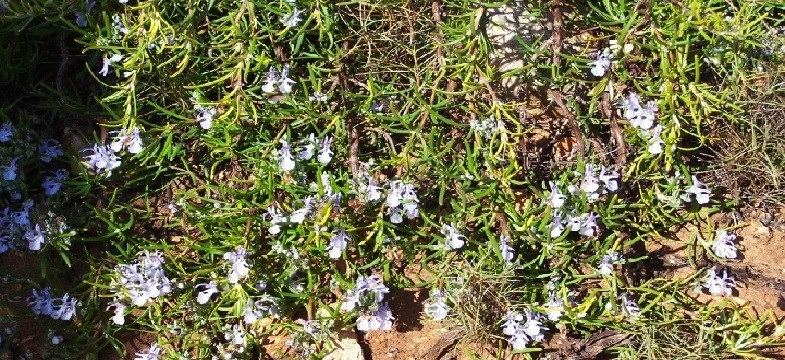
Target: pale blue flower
{"type": "Point", "coordinates": [49, 149]}
{"type": "Point", "coordinates": [291, 20]}
{"type": "Point", "coordinates": [602, 64]}
{"type": "Point", "coordinates": [455, 239]}
{"type": "Point", "coordinates": [6, 131]}
{"type": "Point", "coordinates": [700, 190]}
{"type": "Point", "coordinates": [723, 245]}
{"type": "Point", "coordinates": [204, 295]}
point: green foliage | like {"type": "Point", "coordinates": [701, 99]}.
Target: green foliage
{"type": "Point", "coordinates": [411, 98]}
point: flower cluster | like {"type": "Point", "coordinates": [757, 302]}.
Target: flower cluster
{"type": "Point", "coordinates": [676, 194]}
{"type": "Point", "coordinates": [238, 266]}
{"type": "Point", "coordinates": [520, 331]}
{"type": "Point", "coordinates": [17, 225]}
{"type": "Point", "coordinates": [103, 159]}
{"type": "Point", "coordinates": [49, 149]}
{"type": "Point", "coordinates": [643, 119]}
{"type": "Point", "coordinates": [286, 158]}
{"type": "Point", "coordinates": [487, 127]}
{"type": "Point", "coordinates": [367, 296]}
{"type": "Point", "coordinates": [255, 310]}
{"type": "Point", "coordinates": [365, 186]}
{"type": "Point", "coordinates": [437, 307]}
{"type": "Point", "coordinates": [127, 139]}
{"type": "Point", "coordinates": [282, 80]}
{"type": "Point", "coordinates": [60, 308]}
{"type": "Point", "coordinates": [138, 283]}
{"type": "Point", "coordinates": [719, 285]}
{"type": "Point", "coordinates": [596, 182]}
{"type": "Point", "coordinates": [402, 199]}
{"type": "Point", "coordinates": [607, 262]}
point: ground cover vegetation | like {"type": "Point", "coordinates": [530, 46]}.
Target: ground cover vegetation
{"type": "Point", "coordinates": [211, 175]}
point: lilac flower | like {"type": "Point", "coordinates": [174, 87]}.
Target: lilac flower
{"type": "Point", "coordinates": [557, 228]}
{"type": "Point", "coordinates": [381, 318]}
{"type": "Point", "coordinates": [205, 116]}
{"type": "Point", "coordinates": [455, 239]}
{"type": "Point", "coordinates": [209, 289]}
{"type": "Point", "coordinates": [638, 116]}
{"type": "Point", "coordinates": [276, 217]}
{"type": "Point", "coordinates": [6, 131]}
{"type": "Point", "coordinates": [119, 310]}
{"type": "Point", "coordinates": [609, 178]}
{"type": "Point", "coordinates": [404, 196]}
{"type": "Point", "coordinates": [589, 226]}
{"type": "Point", "coordinates": [437, 307]}
{"type": "Point", "coordinates": [109, 61]}
{"type": "Point", "coordinates": [700, 190]}
{"type": "Point", "coordinates": [255, 310]}
{"type": "Point", "coordinates": [655, 140]}
{"type": "Point", "coordinates": [554, 307]}
{"type": "Point", "coordinates": [81, 20]}
{"type": "Point", "coordinates": [317, 97]}
{"type": "Point", "coordinates": [103, 159]}
{"type": "Point", "coordinates": [41, 302]}
{"type": "Point", "coordinates": [508, 254]}
{"type": "Point", "coordinates": [35, 238]}
{"type": "Point", "coordinates": [130, 140]}
{"type": "Point", "coordinates": [590, 183]}
{"type": "Point", "coordinates": [270, 81]}
{"type": "Point", "coordinates": [238, 266]}
{"type": "Point", "coordinates": [9, 172]}
{"type": "Point", "coordinates": [338, 243]}
{"type": "Point", "coordinates": [286, 160]}
{"type": "Point", "coordinates": [52, 184]}
{"type": "Point", "coordinates": [49, 149]}
{"type": "Point", "coordinates": [5, 242]}
{"type": "Point", "coordinates": [602, 64]}
{"type": "Point", "coordinates": [285, 83]}
{"type": "Point", "coordinates": [299, 215]}
{"type": "Point", "coordinates": [236, 335]}
{"type": "Point", "coordinates": [350, 300]}
{"type": "Point", "coordinates": [308, 149]}
{"type": "Point", "coordinates": [556, 199]}
{"type": "Point", "coordinates": [607, 262]}
{"type": "Point", "coordinates": [629, 308]}
{"type": "Point", "coordinates": [291, 20]}
{"type": "Point", "coordinates": [21, 217]}
{"type": "Point", "coordinates": [719, 285]}
{"type": "Point", "coordinates": [574, 222]}
{"type": "Point", "coordinates": [152, 353]}
{"type": "Point", "coordinates": [372, 190]}
{"type": "Point", "coordinates": [723, 245]}
{"type": "Point", "coordinates": [64, 308]}
{"type": "Point", "coordinates": [325, 154]}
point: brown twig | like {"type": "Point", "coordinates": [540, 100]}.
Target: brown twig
{"type": "Point", "coordinates": [616, 131]}
{"type": "Point", "coordinates": [555, 95]}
